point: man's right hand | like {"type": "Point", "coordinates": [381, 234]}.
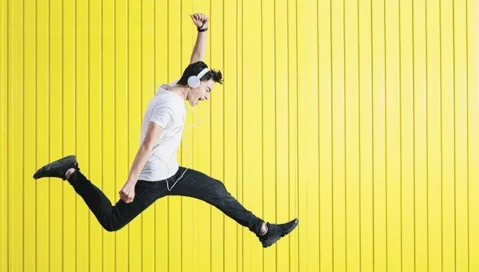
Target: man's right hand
{"type": "Point", "coordinates": [127, 193]}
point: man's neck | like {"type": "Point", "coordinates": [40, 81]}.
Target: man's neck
{"type": "Point", "coordinates": [181, 91]}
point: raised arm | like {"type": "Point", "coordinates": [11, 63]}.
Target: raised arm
{"type": "Point", "coordinates": [201, 22]}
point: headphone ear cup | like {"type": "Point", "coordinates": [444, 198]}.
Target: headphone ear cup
{"type": "Point", "coordinates": [193, 81]}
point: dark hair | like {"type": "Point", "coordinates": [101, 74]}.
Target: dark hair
{"type": "Point", "coordinates": [195, 68]}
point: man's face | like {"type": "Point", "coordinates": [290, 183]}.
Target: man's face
{"type": "Point", "coordinates": [201, 93]}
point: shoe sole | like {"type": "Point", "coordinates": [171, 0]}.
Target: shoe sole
{"type": "Point", "coordinates": [296, 222]}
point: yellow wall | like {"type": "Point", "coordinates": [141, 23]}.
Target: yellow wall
{"type": "Point", "coordinates": [358, 117]}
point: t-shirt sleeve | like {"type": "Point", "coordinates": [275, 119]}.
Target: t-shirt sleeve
{"type": "Point", "coordinates": [162, 115]}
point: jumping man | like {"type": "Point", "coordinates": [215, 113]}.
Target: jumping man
{"type": "Point", "coordinates": [155, 172]}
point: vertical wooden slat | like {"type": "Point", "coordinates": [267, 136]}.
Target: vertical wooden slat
{"type": "Point", "coordinates": [230, 121]}
{"type": "Point", "coordinates": [293, 135]}
{"type": "Point", "coordinates": [351, 96]}
{"type": "Point", "coordinates": [420, 136]}
{"type": "Point", "coordinates": [15, 134]}
{"type": "Point", "coordinates": [30, 91]}
{"type": "Point", "coordinates": [379, 135]}
{"type": "Point", "coordinates": [108, 92]}
{"type": "Point", "coordinates": [175, 70]}
{"type": "Point", "coordinates": [134, 73]}
{"type": "Point", "coordinates": [406, 50]}
{"type": "Point", "coordinates": [325, 137]}
{"type": "Point", "coordinates": [268, 140]}
{"type": "Point", "coordinates": [122, 164]}
{"type": "Point", "coordinates": [473, 130]}
{"type": "Point", "coordinates": [147, 92]}
{"type": "Point", "coordinates": [434, 174]}
{"type": "Point", "coordinates": [83, 130]}
{"type": "Point", "coordinates": [185, 154]}
{"type": "Point", "coordinates": [279, 96]}
{"type": "Point", "coordinates": [70, 203]}
{"type": "Point", "coordinates": [42, 137]}
{"type": "Point", "coordinates": [55, 135]}
{"type": "Point", "coordinates": [393, 137]}
{"type": "Point", "coordinates": [161, 56]}
{"type": "Point", "coordinates": [461, 167]}
{"type": "Point", "coordinates": [4, 55]}
{"type": "Point", "coordinates": [240, 120]}
{"type": "Point", "coordinates": [447, 134]}
{"type": "Point", "coordinates": [302, 129]}
{"type": "Point", "coordinates": [311, 134]}
{"type": "Point", "coordinates": [338, 136]}
{"type": "Point", "coordinates": [187, 36]}
{"type": "Point", "coordinates": [95, 126]}
{"type": "Point", "coordinates": [365, 135]}
{"type": "Point", "coordinates": [216, 48]}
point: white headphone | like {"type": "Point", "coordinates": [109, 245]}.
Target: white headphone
{"type": "Point", "coordinates": [194, 81]}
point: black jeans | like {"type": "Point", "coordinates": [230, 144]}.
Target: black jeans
{"type": "Point", "coordinates": [190, 184]}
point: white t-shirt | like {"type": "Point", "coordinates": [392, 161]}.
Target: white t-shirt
{"type": "Point", "coordinates": [168, 110]}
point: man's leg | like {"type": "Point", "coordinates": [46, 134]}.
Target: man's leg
{"type": "Point", "coordinates": [198, 185]}
{"type": "Point", "coordinates": [112, 218]}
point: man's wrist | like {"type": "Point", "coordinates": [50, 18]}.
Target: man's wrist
{"type": "Point", "coordinates": [202, 28]}
{"type": "Point", "coordinates": [131, 180]}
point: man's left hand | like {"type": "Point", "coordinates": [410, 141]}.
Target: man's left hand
{"type": "Point", "coordinates": [200, 20]}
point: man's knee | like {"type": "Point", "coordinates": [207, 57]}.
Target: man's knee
{"type": "Point", "coordinates": [111, 225]}
{"type": "Point", "coordinates": [112, 228]}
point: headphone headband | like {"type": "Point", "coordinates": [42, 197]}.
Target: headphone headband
{"type": "Point", "coordinates": [203, 72]}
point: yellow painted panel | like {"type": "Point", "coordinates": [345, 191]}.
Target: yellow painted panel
{"type": "Point", "coordinates": [351, 126]}
{"type": "Point", "coordinates": [95, 125]}
{"type": "Point", "coordinates": [161, 69]}
{"type": "Point", "coordinates": [325, 138]}
{"type": "Point", "coordinates": [407, 180]}
{"type": "Point", "coordinates": [447, 133]}
{"type": "Point", "coordinates": [30, 127]}
{"type": "Point", "coordinates": [110, 260]}
{"type": "Point", "coordinates": [134, 118]}
{"type": "Point", "coordinates": [4, 55]}
{"type": "Point", "coordinates": [147, 235]}
{"type": "Point", "coordinates": [378, 59]}
{"type": "Point", "coordinates": [231, 152]}
{"type": "Point", "coordinates": [268, 127]}
{"type": "Point", "coordinates": [55, 102]}
{"type": "Point", "coordinates": [366, 141]}
{"type": "Point", "coordinates": [461, 168]}
{"type": "Point", "coordinates": [69, 88]}
{"type": "Point", "coordinates": [15, 135]}
{"type": "Point", "coordinates": [393, 137]}
{"type": "Point", "coordinates": [121, 128]}
{"type": "Point", "coordinates": [42, 140]}
{"type": "Point", "coordinates": [473, 131]}
{"type": "Point", "coordinates": [83, 139]}
{"type": "Point", "coordinates": [420, 144]}
{"type": "Point", "coordinates": [358, 117]}
{"type": "Point", "coordinates": [435, 179]}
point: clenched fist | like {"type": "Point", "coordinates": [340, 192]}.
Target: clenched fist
{"type": "Point", "coordinates": [200, 20]}
{"type": "Point", "coordinates": [127, 193]}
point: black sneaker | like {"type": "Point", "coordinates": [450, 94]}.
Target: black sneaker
{"type": "Point", "coordinates": [57, 169]}
{"type": "Point", "coordinates": [276, 231]}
